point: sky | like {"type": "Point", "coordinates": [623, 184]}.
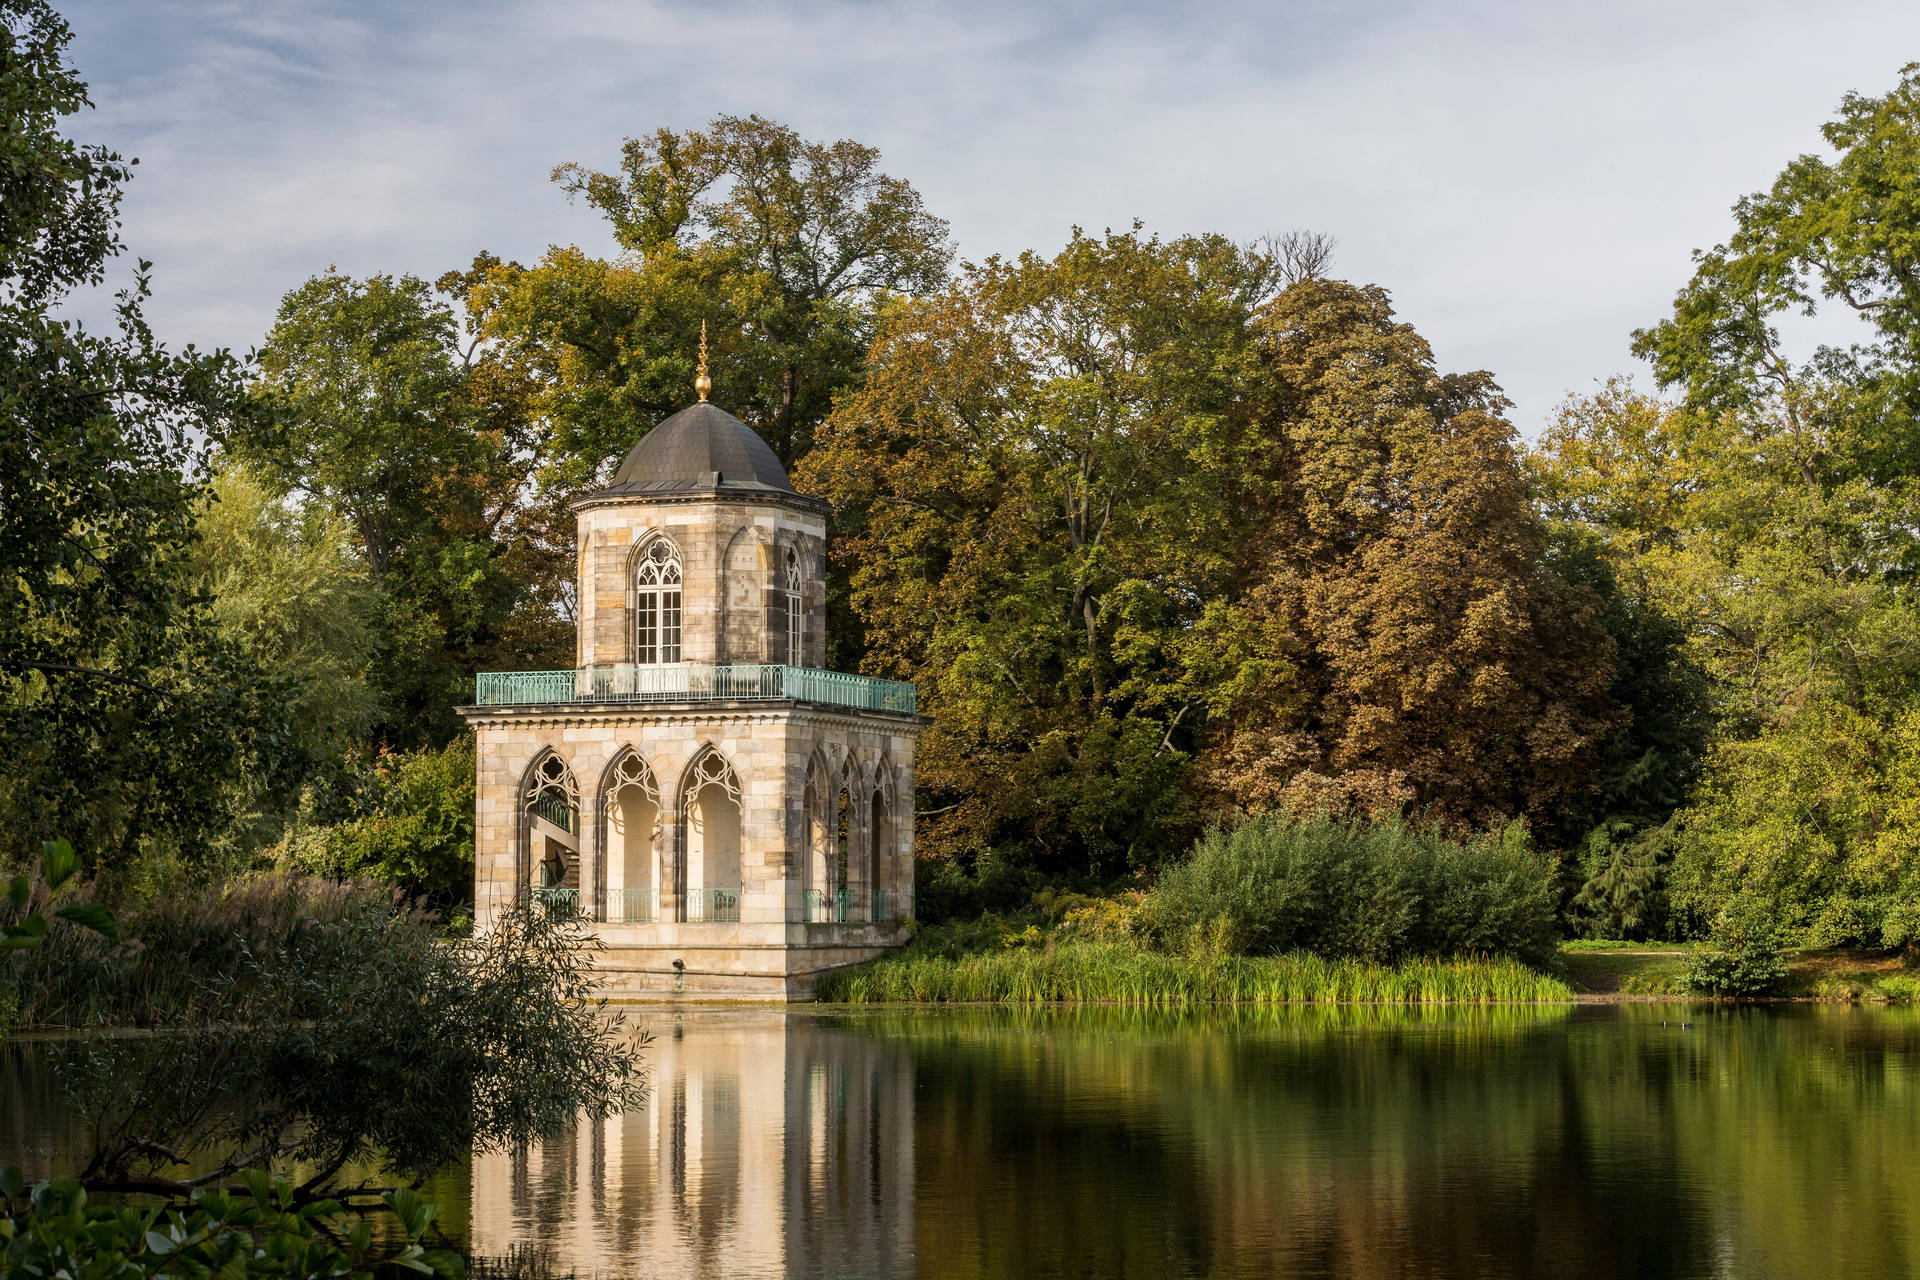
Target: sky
{"type": "Point", "coordinates": [1527, 178]}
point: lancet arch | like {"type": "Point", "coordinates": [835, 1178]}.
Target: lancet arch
{"type": "Point", "coordinates": [709, 825]}
{"type": "Point", "coordinates": [549, 827]}
{"type": "Point", "coordinates": [656, 577]}
{"type": "Point", "coordinates": [630, 844]}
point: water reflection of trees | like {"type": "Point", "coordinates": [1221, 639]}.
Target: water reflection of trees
{"type": "Point", "coordinates": [1590, 1143]}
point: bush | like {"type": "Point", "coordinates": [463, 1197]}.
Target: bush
{"type": "Point", "coordinates": [52, 1229]}
{"type": "Point", "coordinates": [1371, 890]}
{"type": "Point", "coordinates": [1742, 955]}
{"type": "Point", "coordinates": [327, 1025]}
{"type": "Point", "coordinates": [412, 826]}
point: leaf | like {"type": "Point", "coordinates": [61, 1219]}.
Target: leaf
{"type": "Point", "coordinates": [19, 892]}
{"type": "Point", "coordinates": [259, 1187]}
{"type": "Point", "coordinates": [157, 1243]}
{"type": "Point", "coordinates": [58, 862]}
{"type": "Point", "coordinates": [13, 1183]}
{"type": "Point", "coordinates": [91, 915]}
{"type": "Point", "coordinates": [26, 935]}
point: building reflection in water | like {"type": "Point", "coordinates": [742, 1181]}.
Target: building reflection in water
{"type": "Point", "coordinates": [771, 1144]}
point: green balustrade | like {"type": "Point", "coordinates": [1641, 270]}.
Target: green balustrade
{"type": "Point", "coordinates": [713, 906]}
{"type": "Point", "coordinates": [694, 682]}
{"type": "Point", "coordinates": [556, 904]}
{"type": "Point", "coordinates": [632, 906]}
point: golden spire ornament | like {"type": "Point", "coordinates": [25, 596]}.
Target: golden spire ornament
{"type": "Point", "coordinates": [703, 384]}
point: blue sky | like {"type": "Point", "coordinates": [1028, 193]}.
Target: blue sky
{"type": "Point", "coordinates": [1527, 178]}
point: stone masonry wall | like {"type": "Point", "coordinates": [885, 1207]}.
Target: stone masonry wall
{"type": "Point", "coordinates": [731, 552]}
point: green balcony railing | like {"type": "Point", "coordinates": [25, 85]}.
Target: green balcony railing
{"type": "Point", "coordinates": [847, 906]}
{"type": "Point", "coordinates": [693, 682]}
{"type": "Point", "coordinates": [632, 906]}
{"type": "Point", "coordinates": [713, 906]}
{"type": "Point", "coordinates": [555, 904]}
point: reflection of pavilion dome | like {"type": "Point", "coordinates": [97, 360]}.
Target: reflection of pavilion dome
{"type": "Point", "coordinates": [700, 448]}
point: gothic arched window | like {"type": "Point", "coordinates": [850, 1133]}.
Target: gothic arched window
{"type": "Point", "coordinates": [656, 604]}
{"type": "Point", "coordinates": [796, 615]}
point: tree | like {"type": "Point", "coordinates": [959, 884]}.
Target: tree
{"type": "Point", "coordinates": [1782, 534]}
{"type": "Point", "coordinates": [1396, 634]}
{"type": "Point", "coordinates": [424, 449]}
{"type": "Point", "coordinates": [126, 715]}
{"type": "Point", "coordinates": [786, 248]}
{"type": "Point", "coordinates": [1030, 524]}
{"type": "Point", "coordinates": [288, 591]}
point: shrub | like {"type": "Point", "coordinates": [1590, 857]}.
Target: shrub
{"type": "Point", "coordinates": [412, 826]}
{"type": "Point", "coordinates": [1370, 890]}
{"type": "Point", "coordinates": [53, 1229]}
{"type": "Point", "coordinates": [1742, 955]}
{"type": "Point", "coordinates": [328, 1025]}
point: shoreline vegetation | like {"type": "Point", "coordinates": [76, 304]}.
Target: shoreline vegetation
{"type": "Point", "coordinates": [1118, 973]}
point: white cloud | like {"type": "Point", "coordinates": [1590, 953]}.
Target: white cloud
{"type": "Point", "coordinates": [1527, 179]}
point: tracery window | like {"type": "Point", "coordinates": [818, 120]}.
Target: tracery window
{"type": "Point", "coordinates": [796, 615]}
{"type": "Point", "coordinates": [656, 605]}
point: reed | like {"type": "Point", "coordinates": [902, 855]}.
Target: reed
{"type": "Point", "coordinates": [1119, 973]}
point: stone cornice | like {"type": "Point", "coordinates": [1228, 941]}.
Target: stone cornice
{"type": "Point", "coordinates": [771, 711]}
{"type": "Point", "coordinates": [704, 497]}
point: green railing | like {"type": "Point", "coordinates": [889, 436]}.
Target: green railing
{"type": "Point", "coordinates": [846, 906]}
{"type": "Point", "coordinates": [713, 906]}
{"type": "Point", "coordinates": [558, 904]}
{"type": "Point", "coordinates": [556, 811]}
{"type": "Point", "coordinates": [693, 682]}
{"type": "Point", "coordinates": [632, 906]}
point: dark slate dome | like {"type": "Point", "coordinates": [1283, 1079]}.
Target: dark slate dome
{"type": "Point", "coordinates": [700, 448]}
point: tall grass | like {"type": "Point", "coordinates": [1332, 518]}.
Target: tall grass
{"type": "Point", "coordinates": [1119, 973]}
{"type": "Point", "coordinates": [171, 945]}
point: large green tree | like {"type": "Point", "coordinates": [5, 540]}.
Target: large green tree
{"type": "Point", "coordinates": [1775, 512]}
{"type": "Point", "coordinates": [1032, 526]}
{"type": "Point", "coordinates": [422, 441]}
{"type": "Point", "coordinates": [126, 716]}
{"type": "Point", "coordinates": [786, 248]}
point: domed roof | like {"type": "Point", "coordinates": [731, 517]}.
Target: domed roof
{"type": "Point", "coordinates": [700, 448]}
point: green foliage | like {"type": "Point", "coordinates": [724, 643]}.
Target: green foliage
{"type": "Point", "coordinates": [55, 1229]}
{"type": "Point", "coordinates": [1030, 523]}
{"type": "Point", "coordinates": [1377, 891]}
{"type": "Point", "coordinates": [1771, 513]}
{"type": "Point", "coordinates": [412, 825]}
{"type": "Point", "coordinates": [322, 1024]}
{"type": "Point", "coordinates": [1131, 975]}
{"type": "Point", "coordinates": [1741, 957]}
{"type": "Point", "coordinates": [384, 422]}
{"type": "Point", "coordinates": [789, 247]}
{"type": "Point", "coordinates": [107, 654]}
{"type": "Point", "coordinates": [1624, 889]}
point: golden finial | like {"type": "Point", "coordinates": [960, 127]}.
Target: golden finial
{"type": "Point", "coordinates": [703, 383]}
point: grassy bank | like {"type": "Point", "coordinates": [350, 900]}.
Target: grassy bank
{"type": "Point", "coordinates": [1122, 973]}
{"type": "Point", "coordinates": [1659, 969]}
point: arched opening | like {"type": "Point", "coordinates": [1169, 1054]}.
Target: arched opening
{"type": "Point", "coordinates": [880, 860]}
{"type": "Point", "coordinates": [656, 604]}
{"type": "Point", "coordinates": [796, 613]}
{"type": "Point", "coordinates": [550, 828]}
{"type": "Point", "coordinates": [633, 872]}
{"type": "Point", "coordinates": [843, 855]}
{"type": "Point", "coordinates": [710, 818]}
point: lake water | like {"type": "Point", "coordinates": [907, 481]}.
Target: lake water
{"type": "Point", "coordinates": [1361, 1142]}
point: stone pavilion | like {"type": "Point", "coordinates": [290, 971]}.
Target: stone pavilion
{"type": "Point", "coordinates": [731, 818]}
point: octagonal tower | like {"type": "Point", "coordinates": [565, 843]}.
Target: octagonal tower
{"type": "Point", "coordinates": [731, 817]}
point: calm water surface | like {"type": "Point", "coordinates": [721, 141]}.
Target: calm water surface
{"type": "Point", "coordinates": [1359, 1142]}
